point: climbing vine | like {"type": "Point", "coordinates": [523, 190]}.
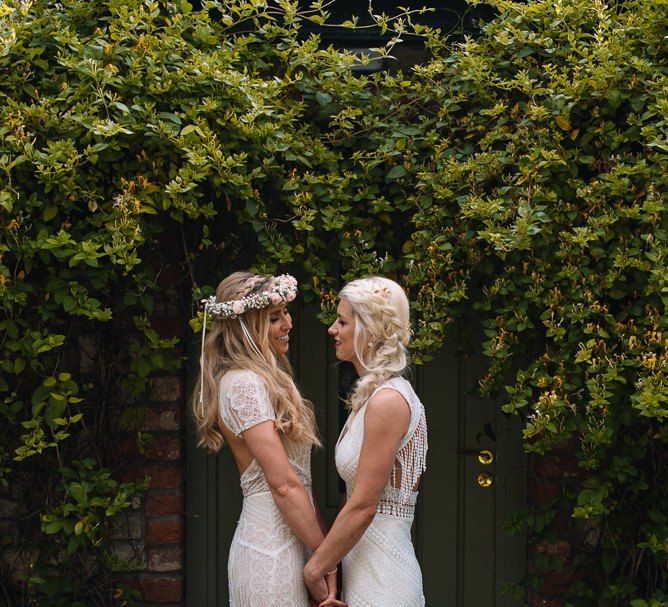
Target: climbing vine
{"type": "Point", "coordinates": [516, 177]}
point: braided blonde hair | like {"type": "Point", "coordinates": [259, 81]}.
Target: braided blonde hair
{"type": "Point", "coordinates": [382, 332]}
{"type": "Point", "coordinates": [226, 348]}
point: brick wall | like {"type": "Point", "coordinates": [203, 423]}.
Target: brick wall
{"type": "Point", "coordinates": [547, 478]}
{"type": "Point", "coordinates": [150, 536]}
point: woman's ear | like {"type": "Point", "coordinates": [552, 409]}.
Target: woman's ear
{"type": "Point", "coordinates": [367, 340]}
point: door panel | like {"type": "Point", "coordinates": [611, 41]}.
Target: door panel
{"type": "Point", "coordinates": [317, 374]}
{"type": "Point", "coordinates": [511, 558]}
{"type": "Point", "coordinates": [213, 499]}
{"type": "Point", "coordinates": [465, 557]}
{"type": "Point", "coordinates": [477, 431]}
{"type": "Point", "coordinates": [436, 526]}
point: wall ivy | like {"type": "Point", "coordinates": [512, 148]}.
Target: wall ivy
{"type": "Point", "coordinates": [518, 177]}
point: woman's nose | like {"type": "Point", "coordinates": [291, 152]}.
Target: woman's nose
{"type": "Point", "coordinates": [331, 330]}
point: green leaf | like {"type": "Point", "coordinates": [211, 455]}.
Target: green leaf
{"type": "Point", "coordinates": [252, 207]}
{"type": "Point", "coordinates": [189, 128]}
{"type": "Point", "coordinates": [396, 171]}
{"type": "Point", "coordinates": [19, 365]}
{"type": "Point", "coordinates": [609, 560]}
{"type": "Point", "coordinates": [69, 303]}
{"type": "Point", "coordinates": [52, 527]}
{"type": "Point", "coordinates": [49, 212]}
{"type": "Point", "coordinates": [73, 543]}
{"type": "Point", "coordinates": [323, 98]}
{"type": "Point", "coordinates": [563, 123]}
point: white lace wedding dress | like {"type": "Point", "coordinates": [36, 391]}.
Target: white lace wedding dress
{"type": "Point", "coordinates": [381, 570]}
{"type": "Point", "coordinates": [266, 557]}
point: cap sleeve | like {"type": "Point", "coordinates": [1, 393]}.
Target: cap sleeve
{"type": "Point", "coordinates": [244, 401]}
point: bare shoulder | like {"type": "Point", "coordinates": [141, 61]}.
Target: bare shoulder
{"type": "Point", "coordinates": [388, 406]}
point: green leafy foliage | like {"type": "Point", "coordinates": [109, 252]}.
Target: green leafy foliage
{"type": "Point", "coordinates": [517, 178]}
{"type": "Point", "coordinates": [91, 497]}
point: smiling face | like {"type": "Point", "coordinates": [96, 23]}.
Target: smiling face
{"type": "Point", "coordinates": [280, 323]}
{"type": "Point", "coordinates": [343, 332]}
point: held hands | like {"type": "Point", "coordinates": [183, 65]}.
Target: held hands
{"type": "Point", "coordinates": [316, 584]}
{"type": "Point", "coordinates": [331, 600]}
{"type": "Point", "coordinates": [322, 588]}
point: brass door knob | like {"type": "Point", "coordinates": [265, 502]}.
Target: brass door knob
{"type": "Point", "coordinates": [485, 479]}
{"type": "Point", "coordinates": [486, 457]}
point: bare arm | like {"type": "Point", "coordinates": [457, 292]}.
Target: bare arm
{"type": "Point", "coordinates": [286, 488]}
{"type": "Point", "coordinates": [292, 500]}
{"type": "Point", "coordinates": [386, 422]}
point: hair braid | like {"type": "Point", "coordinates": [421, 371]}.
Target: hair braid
{"type": "Point", "coordinates": [382, 332]}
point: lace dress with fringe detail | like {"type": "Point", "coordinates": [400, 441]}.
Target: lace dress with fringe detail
{"type": "Point", "coordinates": [381, 570]}
{"type": "Point", "coordinates": [266, 558]}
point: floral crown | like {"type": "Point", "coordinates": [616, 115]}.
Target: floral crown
{"type": "Point", "coordinates": [283, 290]}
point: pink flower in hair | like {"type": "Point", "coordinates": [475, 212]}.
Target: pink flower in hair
{"type": "Point", "coordinates": [275, 298]}
{"type": "Point", "coordinates": [238, 307]}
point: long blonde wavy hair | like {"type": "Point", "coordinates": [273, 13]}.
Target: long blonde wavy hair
{"type": "Point", "coordinates": [382, 332]}
{"type": "Point", "coordinates": [226, 348]}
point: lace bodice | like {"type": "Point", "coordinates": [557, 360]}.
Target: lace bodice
{"type": "Point", "coordinates": [400, 493]}
{"type": "Point", "coordinates": [244, 403]}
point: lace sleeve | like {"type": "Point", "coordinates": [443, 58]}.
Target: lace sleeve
{"type": "Point", "coordinates": [244, 402]}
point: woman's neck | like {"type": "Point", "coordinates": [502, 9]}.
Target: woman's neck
{"type": "Point", "coordinates": [359, 368]}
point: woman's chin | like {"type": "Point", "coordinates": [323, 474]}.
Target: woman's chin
{"type": "Point", "coordinates": [282, 348]}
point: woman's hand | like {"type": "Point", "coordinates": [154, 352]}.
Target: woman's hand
{"type": "Point", "coordinates": [313, 583]}
{"type": "Point", "coordinates": [331, 600]}
{"type": "Point", "coordinates": [316, 584]}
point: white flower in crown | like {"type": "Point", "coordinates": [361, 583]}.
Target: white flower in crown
{"type": "Point", "coordinates": [283, 290]}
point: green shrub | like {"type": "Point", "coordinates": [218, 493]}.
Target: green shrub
{"type": "Point", "coordinates": [518, 178]}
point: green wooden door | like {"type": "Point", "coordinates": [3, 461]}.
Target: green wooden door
{"type": "Point", "coordinates": [466, 559]}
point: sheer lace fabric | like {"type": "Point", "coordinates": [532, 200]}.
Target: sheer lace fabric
{"type": "Point", "coordinates": [382, 570]}
{"type": "Point", "coordinates": [266, 557]}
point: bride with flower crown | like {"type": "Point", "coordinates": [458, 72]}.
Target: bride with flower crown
{"type": "Point", "coordinates": [246, 397]}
